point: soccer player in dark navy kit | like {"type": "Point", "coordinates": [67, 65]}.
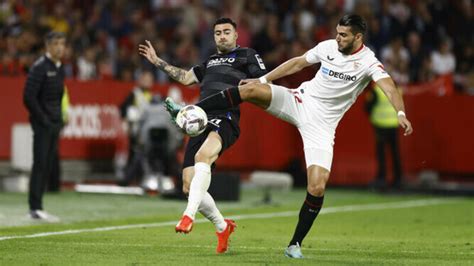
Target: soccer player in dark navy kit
{"type": "Point", "coordinates": [42, 97]}
{"type": "Point", "coordinates": [220, 71]}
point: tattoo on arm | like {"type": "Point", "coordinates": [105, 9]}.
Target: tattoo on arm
{"type": "Point", "coordinates": [177, 74]}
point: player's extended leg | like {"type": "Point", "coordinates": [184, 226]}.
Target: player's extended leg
{"type": "Point", "coordinates": [207, 154]}
{"type": "Point", "coordinates": [208, 206]}
{"type": "Point", "coordinates": [256, 93]}
{"type": "Point", "coordinates": [317, 179]}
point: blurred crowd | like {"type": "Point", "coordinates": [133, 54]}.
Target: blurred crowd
{"type": "Point", "coordinates": [416, 40]}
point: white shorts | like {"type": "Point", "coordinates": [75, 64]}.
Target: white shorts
{"type": "Point", "coordinates": [306, 113]}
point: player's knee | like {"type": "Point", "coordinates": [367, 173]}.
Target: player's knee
{"type": "Point", "coordinates": [249, 91]}
{"type": "Point", "coordinates": [202, 156]}
{"type": "Point", "coordinates": [317, 189]}
{"type": "Point", "coordinates": [318, 186]}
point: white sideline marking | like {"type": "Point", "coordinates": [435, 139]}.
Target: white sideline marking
{"type": "Point", "coordinates": [347, 208]}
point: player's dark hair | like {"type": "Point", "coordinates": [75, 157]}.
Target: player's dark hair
{"type": "Point", "coordinates": [356, 23]}
{"type": "Point", "coordinates": [225, 21]}
{"type": "Point", "coordinates": [52, 35]}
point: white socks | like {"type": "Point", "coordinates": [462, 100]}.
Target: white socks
{"type": "Point", "coordinates": [209, 209]}
{"type": "Point", "coordinates": [198, 188]}
{"type": "Point", "coordinates": [200, 199]}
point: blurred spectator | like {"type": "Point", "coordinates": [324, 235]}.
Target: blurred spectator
{"type": "Point", "coordinates": [268, 42]}
{"type": "Point", "coordinates": [395, 58]}
{"type": "Point", "coordinates": [86, 66]}
{"type": "Point", "coordinates": [425, 72]}
{"type": "Point", "coordinates": [376, 37]}
{"type": "Point", "coordinates": [417, 57]}
{"type": "Point", "coordinates": [442, 60]}
{"type": "Point", "coordinates": [57, 21]}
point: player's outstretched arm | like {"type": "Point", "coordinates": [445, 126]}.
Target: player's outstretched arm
{"type": "Point", "coordinates": [287, 68]}
{"type": "Point", "coordinates": [395, 98]}
{"type": "Point", "coordinates": [182, 76]}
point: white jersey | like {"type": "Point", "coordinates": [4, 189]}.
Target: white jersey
{"type": "Point", "coordinates": [341, 78]}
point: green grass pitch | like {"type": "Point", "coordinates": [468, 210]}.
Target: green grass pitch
{"type": "Point", "coordinates": [356, 228]}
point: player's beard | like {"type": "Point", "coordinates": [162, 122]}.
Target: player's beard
{"type": "Point", "coordinates": [224, 48]}
{"type": "Point", "coordinates": [348, 49]}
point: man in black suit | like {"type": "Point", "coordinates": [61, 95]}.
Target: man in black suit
{"type": "Point", "coordinates": [42, 97]}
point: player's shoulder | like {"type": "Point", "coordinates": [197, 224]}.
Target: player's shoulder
{"type": "Point", "coordinates": [368, 57]}
{"type": "Point", "coordinates": [328, 44]}
{"type": "Point", "coordinates": [245, 51]}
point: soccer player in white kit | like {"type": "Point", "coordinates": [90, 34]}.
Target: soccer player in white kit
{"type": "Point", "coordinates": [317, 105]}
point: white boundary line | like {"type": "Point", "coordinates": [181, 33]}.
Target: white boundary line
{"type": "Point", "coordinates": [346, 208]}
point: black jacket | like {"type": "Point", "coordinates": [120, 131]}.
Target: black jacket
{"type": "Point", "coordinates": [44, 90]}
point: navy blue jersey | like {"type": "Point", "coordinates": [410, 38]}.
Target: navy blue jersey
{"type": "Point", "coordinates": [223, 71]}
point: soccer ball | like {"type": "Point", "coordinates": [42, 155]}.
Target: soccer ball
{"type": "Point", "coordinates": [192, 120]}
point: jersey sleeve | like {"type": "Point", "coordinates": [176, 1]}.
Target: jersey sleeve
{"type": "Point", "coordinates": [313, 56]}
{"type": "Point", "coordinates": [199, 71]}
{"type": "Point", "coordinates": [255, 66]}
{"type": "Point", "coordinates": [376, 71]}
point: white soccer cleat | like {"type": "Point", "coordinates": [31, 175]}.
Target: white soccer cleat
{"type": "Point", "coordinates": [41, 215]}
{"type": "Point", "coordinates": [294, 251]}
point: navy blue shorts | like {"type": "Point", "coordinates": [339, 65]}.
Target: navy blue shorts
{"type": "Point", "coordinates": [227, 128]}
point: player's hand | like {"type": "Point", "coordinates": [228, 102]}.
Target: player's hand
{"type": "Point", "coordinates": [405, 124]}
{"type": "Point", "coordinates": [148, 52]}
{"type": "Point", "coordinates": [248, 81]}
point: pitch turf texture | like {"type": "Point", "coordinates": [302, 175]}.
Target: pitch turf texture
{"type": "Point", "coordinates": [356, 228]}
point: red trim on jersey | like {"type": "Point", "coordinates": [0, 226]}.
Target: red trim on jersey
{"type": "Point", "coordinates": [360, 48]}
{"type": "Point", "coordinates": [229, 97]}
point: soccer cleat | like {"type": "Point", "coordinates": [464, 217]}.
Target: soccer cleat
{"type": "Point", "coordinates": [294, 251]}
{"type": "Point", "coordinates": [172, 108]}
{"type": "Point", "coordinates": [40, 215]}
{"type": "Point", "coordinates": [223, 237]}
{"type": "Point", "coordinates": [185, 225]}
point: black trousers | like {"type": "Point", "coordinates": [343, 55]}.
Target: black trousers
{"type": "Point", "coordinates": [54, 180]}
{"type": "Point", "coordinates": [45, 145]}
{"type": "Point", "coordinates": [387, 137]}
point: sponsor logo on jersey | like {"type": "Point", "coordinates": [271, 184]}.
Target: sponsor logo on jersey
{"type": "Point", "coordinates": [329, 58]}
{"type": "Point", "coordinates": [339, 75]}
{"type": "Point", "coordinates": [221, 61]}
